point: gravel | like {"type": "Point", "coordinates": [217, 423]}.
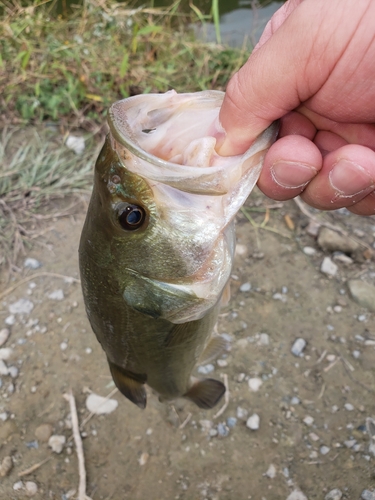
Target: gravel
{"type": "Point", "coordinates": [298, 347]}
{"type": "Point", "coordinates": [253, 422]}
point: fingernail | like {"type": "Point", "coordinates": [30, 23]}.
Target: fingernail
{"type": "Point", "coordinates": [292, 175]}
{"type": "Point", "coordinates": [349, 179]}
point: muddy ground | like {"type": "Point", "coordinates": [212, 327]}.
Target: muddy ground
{"type": "Point", "coordinates": [135, 454]}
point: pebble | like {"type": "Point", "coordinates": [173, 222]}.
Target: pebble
{"type": "Point", "coordinates": [356, 354]}
{"type": "Point", "coordinates": [222, 363]}
{"type": "Point", "coordinates": [63, 346]}
{"type": "Point", "coordinates": [328, 267]}
{"type": "Point", "coordinates": [271, 472]}
{"type": "Point", "coordinates": [309, 251]}
{"type": "Point", "coordinates": [308, 420]}
{"type": "Point", "coordinates": [57, 443]}
{"type": "Point", "coordinates": [363, 293]}
{"type": "Point", "coordinates": [295, 401]}
{"type": "Point", "coordinates": [4, 335]}
{"type": "Point", "coordinates": [31, 263]}
{"type": "Point", "coordinates": [22, 306]}
{"type": "Point", "coordinates": [331, 241]}
{"type": "Point", "coordinates": [18, 486]}
{"type": "Point", "coordinates": [13, 371]}
{"type": "Point", "coordinates": [222, 430]}
{"type": "Point", "coordinates": [313, 228]}
{"type": "Point", "coordinates": [75, 143]}
{"type": "Point", "coordinates": [242, 413]}
{"type": "Point", "coordinates": [348, 407]}
{"type": "Point", "coordinates": [335, 494]}
{"type": "Point", "coordinates": [5, 353]}
{"type": "Point", "coordinates": [6, 466]}
{"type": "Point", "coordinates": [368, 495]}
{"type": "Point", "coordinates": [324, 450]}
{"type": "Point", "coordinates": [255, 384]}
{"type": "Point", "coordinates": [3, 368]}
{"type": "Point", "coordinates": [143, 459]}
{"type": "Point", "coordinates": [206, 369]}
{"type": "Point", "coordinates": [241, 249]}
{"type": "Point", "coordinates": [99, 405]}
{"type": "Point", "coordinates": [279, 296]}
{"type": "Point", "coordinates": [43, 432]}
{"type": "Point", "coordinates": [298, 347]}
{"type": "Point", "coordinates": [245, 287]}
{"type": "Point", "coordinates": [297, 495]}
{"type": "Point", "coordinates": [313, 436]}
{"type": "Point", "coordinates": [56, 295]}
{"type": "Point", "coordinates": [350, 443]}
{"type": "Point", "coordinates": [231, 422]}
{"type": "Point", "coordinates": [264, 339]}
{"type": "Point", "coordinates": [253, 422]}
{"type": "Point", "coordinates": [343, 258]}
{"type": "Point", "coordinates": [10, 320]}
{"type": "Point", "coordinates": [31, 488]}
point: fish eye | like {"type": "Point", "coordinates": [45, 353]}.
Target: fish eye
{"type": "Point", "coordinates": [131, 217]}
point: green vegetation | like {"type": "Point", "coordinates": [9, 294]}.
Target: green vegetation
{"type": "Point", "coordinates": [70, 70]}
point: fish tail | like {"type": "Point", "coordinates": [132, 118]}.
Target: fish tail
{"type": "Point", "coordinates": [206, 393]}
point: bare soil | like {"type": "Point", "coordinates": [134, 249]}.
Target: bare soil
{"type": "Point", "coordinates": [188, 463]}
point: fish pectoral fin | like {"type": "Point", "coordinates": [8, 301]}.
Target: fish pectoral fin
{"type": "Point", "coordinates": [206, 393]}
{"type": "Point", "coordinates": [215, 347]}
{"type": "Point", "coordinates": [129, 384]}
{"type": "Point", "coordinates": [156, 298]}
{"type": "Point", "coordinates": [225, 297]}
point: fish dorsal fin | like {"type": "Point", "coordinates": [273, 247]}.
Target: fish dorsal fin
{"type": "Point", "coordinates": [206, 393]}
{"type": "Point", "coordinates": [129, 384]}
{"type": "Point", "coordinates": [215, 347]}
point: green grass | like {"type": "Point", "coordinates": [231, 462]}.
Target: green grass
{"type": "Point", "coordinates": [71, 70]}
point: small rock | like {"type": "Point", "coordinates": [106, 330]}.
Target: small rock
{"type": "Point", "coordinates": [43, 432]}
{"type": "Point", "coordinates": [31, 263]}
{"type": "Point", "coordinates": [245, 287]}
{"type": "Point", "coordinates": [22, 306]}
{"type": "Point", "coordinates": [56, 295]}
{"type": "Point", "coordinates": [309, 251]}
{"type": "Point", "coordinates": [363, 293]}
{"type": "Point", "coordinates": [343, 258]}
{"type": "Point", "coordinates": [31, 488]}
{"type": "Point", "coordinates": [3, 368]}
{"type": "Point", "coordinates": [348, 407]}
{"type": "Point", "coordinates": [6, 466]}
{"type": "Point", "coordinates": [206, 369]}
{"type": "Point", "coordinates": [255, 384]}
{"type": "Point", "coordinates": [57, 443]}
{"type": "Point", "coordinates": [75, 143]}
{"type": "Point", "coordinates": [350, 443]}
{"type": "Point", "coordinates": [18, 486]}
{"type": "Point", "coordinates": [253, 422]}
{"type": "Point", "coordinates": [231, 422]}
{"type": "Point", "coordinates": [308, 420]}
{"type": "Point", "coordinates": [324, 450]}
{"type": "Point", "coordinates": [279, 296]}
{"type": "Point", "coordinates": [4, 335]}
{"type": "Point", "coordinates": [99, 405]}
{"type": "Point", "coordinates": [297, 495]}
{"type": "Point", "coordinates": [335, 494]}
{"type": "Point", "coordinates": [298, 347]}
{"type": "Point", "coordinates": [313, 228]}
{"type": "Point", "coordinates": [295, 401]}
{"type": "Point", "coordinates": [328, 267]}
{"type": "Point", "coordinates": [331, 241]}
{"type": "Point", "coordinates": [143, 459]}
{"type": "Point", "coordinates": [10, 320]}
{"type": "Point", "coordinates": [356, 354]}
{"type": "Point", "coordinates": [368, 495]}
{"type": "Point", "coordinates": [271, 472]}
{"type": "Point", "coordinates": [313, 436]}
{"type": "Point", "coordinates": [222, 363]}
{"type": "Point", "coordinates": [63, 346]}
{"type": "Point", "coordinates": [242, 413]}
{"type": "Point", "coordinates": [264, 339]}
{"type": "Point", "coordinates": [13, 371]}
{"type": "Point", "coordinates": [241, 250]}
{"type": "Point", "coordinates": [5, 353]}
{"type": "Point", "coordinates": [222, 430]}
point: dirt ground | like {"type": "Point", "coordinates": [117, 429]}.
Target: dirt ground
{"type": "Point", "coordinates": [154, 453]}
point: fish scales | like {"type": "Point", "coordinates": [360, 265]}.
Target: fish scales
{"type": "Point", "coordinates": [157, 246]}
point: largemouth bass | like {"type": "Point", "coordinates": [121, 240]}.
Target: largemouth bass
{"type": "Point", "coordinates": [157, 245]}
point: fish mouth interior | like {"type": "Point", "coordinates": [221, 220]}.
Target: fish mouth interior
{"type": "Point", "coordinates": [176, 128]}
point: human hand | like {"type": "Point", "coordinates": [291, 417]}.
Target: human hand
{"type": "Point", "coordinates": [314, 68]}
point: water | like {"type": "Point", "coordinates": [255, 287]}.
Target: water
{"type": "Point", "coordinates": [241, 21]}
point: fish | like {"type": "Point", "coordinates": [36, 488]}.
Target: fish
{"type": "Point", "coordinates": [157, 246]}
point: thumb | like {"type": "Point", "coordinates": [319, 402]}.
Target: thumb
{"type": "Point", "coordinates": [278, 76]}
